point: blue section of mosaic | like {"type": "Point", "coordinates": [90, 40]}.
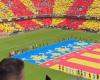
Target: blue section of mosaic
{"type": "Point", "coordinates": [44, 54]}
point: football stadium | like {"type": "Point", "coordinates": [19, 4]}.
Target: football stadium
{"type": "Point", "coordinates": [56, 39]}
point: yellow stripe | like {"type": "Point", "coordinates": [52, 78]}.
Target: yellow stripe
{"type": "Point", "coordinates": [84, 63]}
{"type": "Point", "coordinates": [55, 67]}
{"type": "Point", "coordinates": [97, 50]}
{"type": "Point", "coordinates": [31, 7]}
{"type": "Point", "coordinates": [61, 7]}
{"type": "Point", "coordinates": [91, 55]}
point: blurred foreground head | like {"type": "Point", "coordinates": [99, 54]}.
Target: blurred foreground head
{"type": "Point", "coordinates": [11, 69]}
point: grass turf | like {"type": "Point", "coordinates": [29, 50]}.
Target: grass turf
{"type": "Point", "coordinates": [41, 38]}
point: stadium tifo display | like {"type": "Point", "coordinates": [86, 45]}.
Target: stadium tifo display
{"type": "Point", "coordinates": [72, 56]}
{"type": "Point", "coordinates": [15, 11]}
{"type": "Point", "coordinates": [51, 35]}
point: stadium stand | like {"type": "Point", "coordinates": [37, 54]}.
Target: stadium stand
{"type": "Point", "coordinates": [5, 13]}
{"type": "Point", "coordinates": [61, 7]}
{"type": "Point", "coordinates": [91, 25]}
{"type": "Point", "coordinates": [94, 9]}
{"type": "Point", "coordinates": [79, 7]}
{"type": "Point", "coordinates": [45, 7]}
{"type": "Point", "coordinates": [10, 27]}
{"type": "Point", "coordinates": [23, 8]}
{"type": "Point", "coordinates": [19, 10]}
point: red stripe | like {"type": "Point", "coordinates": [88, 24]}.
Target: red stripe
{"type": "Point", "coordinates": [74, 23]}
{"type": "Point", "coordinates": [19, 10]}
{"type": "Point", "coordinates": [1, 31]}
{"type": "Point", "coordinates": [45, 9]}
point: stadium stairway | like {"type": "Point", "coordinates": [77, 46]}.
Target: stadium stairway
{"type": "Point", "coordinates": [19, 9]}
{"type": "Point", "coordinates": [79, 7]}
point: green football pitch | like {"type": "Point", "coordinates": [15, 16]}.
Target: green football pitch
{"type": "Point", "coordinates": [42, 38]}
